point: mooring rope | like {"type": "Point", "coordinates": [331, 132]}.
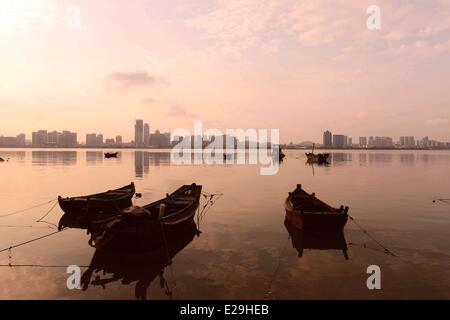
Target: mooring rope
{"type": "Point", "coordinates": [168, 261]}
{"type": "Point", "coordinates": [386, 250]}
{"type": "Point", "coordinates": [46, 214]}
{"type": "Point", "coordinates": [24, 226]}
{"type": "Point", "coordinates": [27, 209]}
{"type": "Point", "coordinates": [208, 205]}
{"type": "Point", "coordinates": [367, 247]}
{"type": "Point", "coordinates": [37, 266]}
{"type": "Point", "coordinates": [30, 241]}
{"type": "Point", "coordinates": [272, 280]}
{"type": "Point", "coordinates": [445, 201]}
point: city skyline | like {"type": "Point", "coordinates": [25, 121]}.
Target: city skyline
{"type": "Point", "coordinates": [279, 65]}
{"type": "Point", "coordinates": [68, 139]}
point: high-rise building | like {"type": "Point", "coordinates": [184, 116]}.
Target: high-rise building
{"type": "Point", "coordinates": [52, 138]}
{"type": "Point", "coordinates": [110, 142]}
{"type": "Point", "coordinates": [139, 133]}
{"type": "Point", "coordinates": [349, 142]}
{"type": "Point", "coordinates": [99, 140]}
{"type": "Point", "coordinates": [39, 138]}
{"type": "Point", "coordinates": [339, 141]}
{"type": "Point", "coordinates": [160, 140]}
{"type": "Point", "coordinates": [407, 142]}
{"type": "Point", "coordinates": [67, 139]}
{"type": "Point", "coordinates": [424, 143]}
{"type": "Point", "coordinates": [146, 135]}
{"type": "Point", "coordinates": [20, 140]}
{"type": "Point", "coordinates": [327, 139]}
{"type": "Point", "coordinates": [381, 142]}
{"type": "Point", "coordinates": [363, 142]}
{"type": "Point", "coordinates": [91, 140]}
{"type": "Point", "coordinates": [118, 141]}
{"type": "Point", "coordinates": [94, 140]}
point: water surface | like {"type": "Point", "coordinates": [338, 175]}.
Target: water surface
{"type": "Point", "coordinates": [244, 250]}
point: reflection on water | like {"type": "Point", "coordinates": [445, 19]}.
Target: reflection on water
{"type": "Point", "coordinates": [143, 160]}
{"type": "Point", "coordinates": [316, 240]}
{"type": "Point", "coordinates": [113, 263]}
{"type": "Point", "coordinates": [44, 158]}
{"type": "Point", "coordinates": [339, 158]}
{"type": "Point", "coordinates": [94, 157]}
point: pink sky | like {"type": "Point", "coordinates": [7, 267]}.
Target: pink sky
{"type": "Point", "coordinates": [300, 66]}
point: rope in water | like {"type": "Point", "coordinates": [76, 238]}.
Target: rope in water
{"type": "Point", "coordinates": [272, 280]}
{"type": "Point", "coordinates": [208, 205]}
{"type": "Point", "coordinates": [37, 266]}
{"type": "Point", "coordinates": [169, 292]}
{"type": "Point", "coordinates": [46, 214]}
{"type": "Point", "coordinates": [30, 241]}
{"type": "Point", "coordinates": [446, 201]}
{"type": "Point", "coordinates": [24, 226]}
{"type": "Point", "coordinates": [27, 209]}
{"type": "Point", "coordinates": [386, 250]}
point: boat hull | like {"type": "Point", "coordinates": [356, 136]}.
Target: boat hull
{"type": "Point", "coordinates": [87, 206]}
{"type": "Point", "coordinates": [150, 224]}
{"type": "Point", "coordinates": [306, 212]}
{"type": "Point", "coordinates": [111, 155]}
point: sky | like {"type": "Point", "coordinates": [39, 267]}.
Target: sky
{"type": "Point", "coordinates": [299, 66]}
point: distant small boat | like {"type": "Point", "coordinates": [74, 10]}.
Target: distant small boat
{"type": "Point", "coordinates": [319, 157]}
{"type": "Point", "coordinates": [281, 155]}
{"type": "Point", "coordinates": [100, 203]}
{"type": "Point", "coordinates": [306, 212]}
{"type": "Point", "coordinates": [111, 154]}
{"type": "Point", "coordinates": [150, 222]}
{"type": "Point", "coordinates": [2, 160]}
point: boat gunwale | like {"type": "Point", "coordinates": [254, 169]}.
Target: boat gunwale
{"type": "Point", "coordinates": [126, 190]}
{"type": "Point", "coordinates": [192, 202]}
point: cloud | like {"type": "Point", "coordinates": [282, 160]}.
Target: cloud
{"type": "Point", "coordinates": [148, 101]}
{"type": "Point", "coordinates": [134, 79]}
{"type": "Point", "coordinates": [236, 25]}
{"type": "Point", "coordinates": [437, 122]}
{"type": "Point", "coordinates": [176, 110]}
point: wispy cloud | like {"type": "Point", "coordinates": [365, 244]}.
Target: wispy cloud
{"type": "Point", "coordinates": [176, 110]}
{"type": "Point", "coordinates": [436, 122]}
{"type": "Point", "coordinates": [148, 101]}
{"type": "Point", "coordinates": [128, 80]}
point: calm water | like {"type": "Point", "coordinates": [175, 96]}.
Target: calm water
{"type": "Point", "coordinates": [244, 250]}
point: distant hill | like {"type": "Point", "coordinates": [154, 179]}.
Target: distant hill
{"type": "Point", "coordinates": [304, 144]}
{"type": "Point", "coordinates": [308, 144]}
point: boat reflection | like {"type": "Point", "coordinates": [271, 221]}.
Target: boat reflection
{"type": "Point", "coordinates": [302, 239]}
{"type": "Point", "coordinates": [114, 262]}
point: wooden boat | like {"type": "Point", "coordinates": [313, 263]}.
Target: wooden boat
{"type": "Point", "coordinates": [306, 212]}
{"type": "Point", "coordinates": [101, 203]}
{"type": "Point", "coordinates": [150, 223]}
{"type": "Point", "coordinates": [304, 239]}
{"type": "Point", "coordinates": [116, 263]}
{"type": "Point", "coordinates": [111, 154]}
{"type": "Point", "coordinates": [317, 157]}
{"type": "Point", "coordinates": [2, 160]}
{"type": "Point", "coordinates": [281, 155]}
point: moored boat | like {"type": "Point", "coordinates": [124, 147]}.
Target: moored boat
{"type": "Point", "coordinates": [281, 154]}
{"type": "Point", "coordinates": [111, 154]}
{"type": "Point", "coordinates": [320, 158]}
{"type": "Point", "coordinates": [306, 212]}
{"type": "Point", "coordinates": [101, 203]}
{"type": "Point", "coordinates": [150, 223]}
